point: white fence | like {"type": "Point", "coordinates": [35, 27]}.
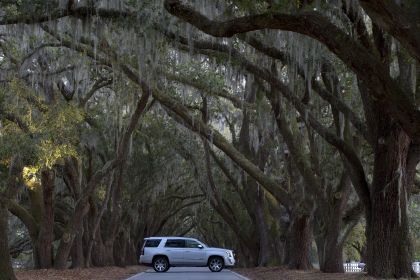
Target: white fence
{"type": "Point", "coordinates": [416, 267]}
{"type": "Point", "coordinates": [352, 267]}
{"type": "Point", "coordinates": [355, 267]}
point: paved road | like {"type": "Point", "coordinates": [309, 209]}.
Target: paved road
{"type": "Point", "coordinates": [188, 273]}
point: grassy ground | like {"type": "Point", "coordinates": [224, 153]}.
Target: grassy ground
{"type": "Point", "coordinates": [277, 273]}
{"type": "Point", "coordinates": [97, 273]}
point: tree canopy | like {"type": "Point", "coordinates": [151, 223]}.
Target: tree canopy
{"type": "Point", "coordinates": [264, 126]}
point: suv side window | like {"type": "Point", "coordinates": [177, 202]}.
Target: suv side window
{"type": "Point", "coordinates": [152, 243]}
{"type": "Point", "coordinates": [191, 244]}
{"type": "Point", "coordinates": [175, 243]}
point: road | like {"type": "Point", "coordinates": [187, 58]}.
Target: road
{"type": "Point", "coordinates": [188, 273]}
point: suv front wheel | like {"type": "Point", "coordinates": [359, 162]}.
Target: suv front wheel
{"type": "Point", "coordinates": [160, 264]}
{"type": "Point", "coordinates": [216, 264]}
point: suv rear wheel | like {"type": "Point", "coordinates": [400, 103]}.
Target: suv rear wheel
{"type": "Point", "coordinates": [160, 264]}
{"type": "Point", "coordinates": [216, 264]}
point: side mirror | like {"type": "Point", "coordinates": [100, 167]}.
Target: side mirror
{"type": "Point", "coordinates": [199, 246]}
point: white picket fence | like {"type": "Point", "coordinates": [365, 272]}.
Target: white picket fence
{"type": "Point", "coordinates": [416, 267]}
{"type": "Point", "coordinates": [354, 267]}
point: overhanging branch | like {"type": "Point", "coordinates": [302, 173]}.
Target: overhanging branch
{"type": "Point", "coordinates": [368, 67]}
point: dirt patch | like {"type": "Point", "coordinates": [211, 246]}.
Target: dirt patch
{"type": "Point", "coordinates": [97, 273]}
{"type": "Point", "coordinates": [277, 273]}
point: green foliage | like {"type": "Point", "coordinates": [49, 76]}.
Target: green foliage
{"type": "Point", "coordinates": [414, 218]}
{"type": "Point", "coordinates": [53, 130]}
{"type": "Point", "coordinates": [13, 141]}
{"type": "Point", "coordinates": [60, 124]}
{"type": "Point", "coordinates": [27, 8]}
{"type": "Point", "coordinates": [50, 153]}
{"type": "Point", "coordinates": [355, 243]}
{"type": "Point", "coordinates": [2, 97]}
{"type": "Point", "coordinates": [200, 72]}
{"type": "Point", "coordinates": [30, 175]}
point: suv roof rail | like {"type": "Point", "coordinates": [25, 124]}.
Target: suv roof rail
{"type": "Point", "coordinates": [171, 237]}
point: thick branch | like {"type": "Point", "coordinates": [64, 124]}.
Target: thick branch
{"type": "Point", "coordinates": [308, 118]}
{"type": "Point", "coordinates": [197, 126]}
{"type": "Point", "coordinates": [15, 119]}
{"type": "Point", "coordinates": [103, 82]}
{"type": "Point", "coordinates": [334, 101]}
{"type": "Point", "coordinates": [237, 102]}
{"type": "Point", "coordinates": [397, 21]}
{"type": "Point", "coordinates": [215, 137]}
{"type": "Point", "coordinates": [22, 214]}
{"type": "Point", "coordinates": [368, 67]}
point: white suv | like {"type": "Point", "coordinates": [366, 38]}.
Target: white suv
{"type": "Point", "coordinates": [164, 252]}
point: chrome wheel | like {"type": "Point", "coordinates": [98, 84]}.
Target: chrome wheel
{"type": "Point", "coordinates": [216, 264]}
{"type": "Point", "coordinates": [160, 264]}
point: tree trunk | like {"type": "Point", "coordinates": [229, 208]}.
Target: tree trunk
{"type": "Point", "coordinates": [46, 234]}
{"type": "Point", "coordinates": [388, 242]}
{"type": "Point", "coordinates": [6, 269]}
{"type": "Point", "coordinates": [74, 226]}
{"type": "Point", "coordinates": [77, 257]}
{"type": "Point", "coordinates": [109, 252]}
{"type": "Point", "coordinates": [120, 249]}
{"type": "Point", "coordinates": [96, 219]}
{"type": "Point", "coordinates": [264, 248]}
{"type": "Point", "coordinates": [300, 243]}
{"type": "Point", "coordinates": [98, 251]}
{"type": "Point", "coordinates": [131, 254]}
{"type": "Point", "coordinates": [115, 212]}
{"type": "Point", "coordinates": [330, 253]}
{"type": "Point", "coordinates": [37, 211]}
{"type": "Point", "coordinates": [330, 240]}
{"type": "Point", "coordinates": [330, 229]}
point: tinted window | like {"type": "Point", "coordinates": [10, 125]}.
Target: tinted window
{"type": "Point", "coordinates": [191, 244]}
{"type": "Point", "coordinates": [175, 243]}
{"type": "Point", "coordinates": [152, 242]}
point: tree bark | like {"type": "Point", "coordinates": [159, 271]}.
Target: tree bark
{"type": "Point", "coordinates": [113, 224]}
{"type": "Point", "coordinates": [264, 248]}
{"type": "Point", "coordinates": [109, 252]}
{"type": "Point", "coordinates": [96, 221]}
{"type": "Point", "coordinates": [330, 252]}
{"type": "Point", "coordinates": [6, 269]}
{"type": "Point", "coordinates": [131, 257]}
{"type": "Point", "coordinates": [98, 251]}
{"type": "Point", "coordinates": [331, 230]}
{"type": "Point", "coordinates": [77, 257]}
{"type": "Point", "coordinates": [73, 228]}
{"type": "Point", "coordinates": [388, 242]}
{"type": "Point", "coordinates": [46, 233]}
{"type": "Point", "coordinates": [120, 249]}
{"type": "Point", "coordinates": [300, 238]}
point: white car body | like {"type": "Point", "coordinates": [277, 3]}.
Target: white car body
{"type": "Point", "coordinates": [194, 253]}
